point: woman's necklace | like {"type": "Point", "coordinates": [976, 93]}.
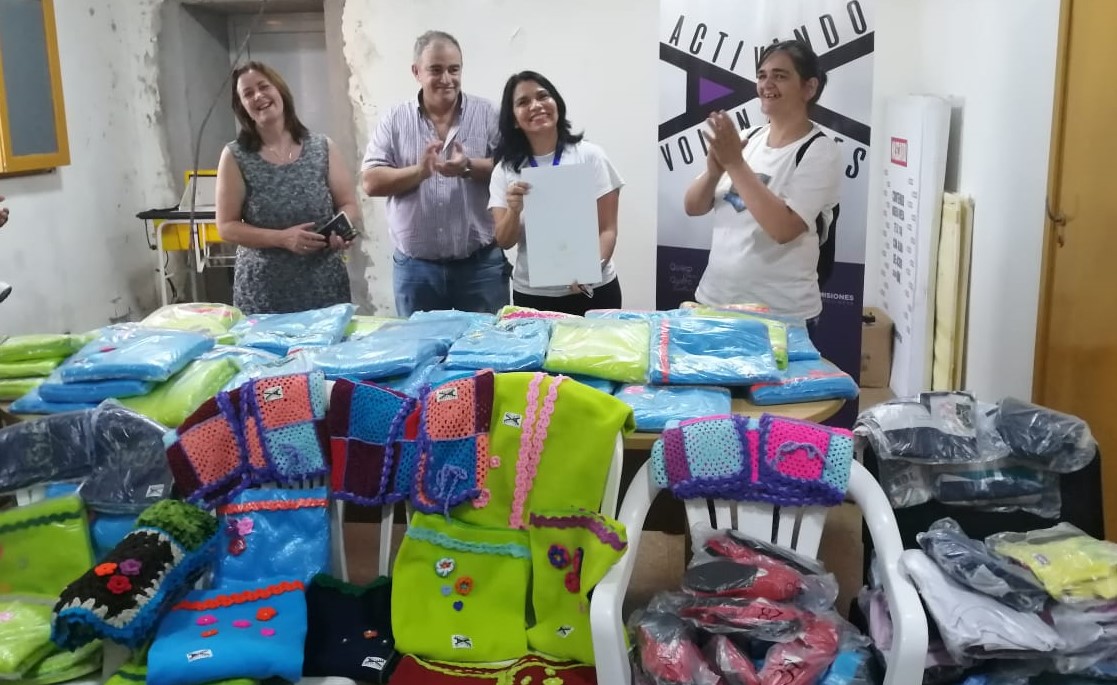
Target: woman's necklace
{"type": "Point", "coordinates": [280, 157]}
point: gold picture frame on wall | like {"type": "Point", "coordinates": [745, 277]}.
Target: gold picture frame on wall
{"type": "Point", "coordinates": [33, 133]}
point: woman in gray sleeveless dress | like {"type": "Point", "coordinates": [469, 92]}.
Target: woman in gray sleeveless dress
{"type": "Point", "coordinates": [275, 182]}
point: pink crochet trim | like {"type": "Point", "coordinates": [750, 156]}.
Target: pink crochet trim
{"type": "Point", "coordinates": [523, 480]}
{"type": "Point", "coordinates": [528, 462]}
{"type": "Point", "coordinates": [587, 520]}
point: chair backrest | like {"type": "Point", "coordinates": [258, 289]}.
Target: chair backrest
{"type": "Point", "coordinates": [609, 505]}
{"type": "Point", "coordinates": [796, 528]}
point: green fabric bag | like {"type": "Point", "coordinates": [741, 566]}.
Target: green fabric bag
{"type": "Point", "coordinates": [63, 665]}
{"type": "Point", "coordinates": [44, 546]}
{"type": "Point", "coordinates": [176, 399]}
{"type": "Point", "coordinates": [12, 389]}
{"type": "Point", "coordinates": [24, 634]}
{"type": "Point", "coordinates": [571, 551]}
{"type": "Point", "coordinates": [21, 348]}
{"type": "Point", "coordinates": [616, 350]}
{"type": "Point", "coordinates": [577, 439]}
{"type": "Point", "coordinates": [39, 368]}
{"type": "Point", "coordinates": [459, 592]}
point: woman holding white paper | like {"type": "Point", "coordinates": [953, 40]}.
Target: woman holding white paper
{"type": "Point", "coordinates": [773, 190]}
{"type": "Point", "coordinates": [535, 132]}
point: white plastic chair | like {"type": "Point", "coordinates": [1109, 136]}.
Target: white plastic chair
{"type": "Point", "coordinates": [799, 529]}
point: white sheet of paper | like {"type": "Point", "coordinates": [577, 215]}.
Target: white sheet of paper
{"type": "Point", "coordinates": [560, 218]}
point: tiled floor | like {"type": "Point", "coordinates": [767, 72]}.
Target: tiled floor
{"type": "Point", "coordinates": [660, 560]}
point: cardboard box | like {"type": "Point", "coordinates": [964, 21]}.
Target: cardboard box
{"type": "Point", "coordinates": [876, 348]}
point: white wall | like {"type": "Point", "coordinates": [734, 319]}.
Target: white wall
{"type": "Point", "coordinates": [73, 249]}
{"type": "Point", "coordinates": [602, 56]}
{"type": "Point", "coordinates": [997, 60]}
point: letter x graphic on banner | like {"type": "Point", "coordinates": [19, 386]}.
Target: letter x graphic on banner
{"type": "Point", "coordinates": [710, 88]}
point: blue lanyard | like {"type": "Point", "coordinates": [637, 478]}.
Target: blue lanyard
{"type": "Point", "coordinates": [554, 162]}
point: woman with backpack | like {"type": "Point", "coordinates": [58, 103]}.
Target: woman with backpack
{"type": "Point", "coordinates": [774, 192]}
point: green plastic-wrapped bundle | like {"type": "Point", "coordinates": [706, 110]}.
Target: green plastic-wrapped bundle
{"type": "Point", "coordinates": [602, 348]}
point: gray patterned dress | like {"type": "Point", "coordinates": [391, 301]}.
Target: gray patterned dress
{"type": "Point", "coordinates": [279, 196]}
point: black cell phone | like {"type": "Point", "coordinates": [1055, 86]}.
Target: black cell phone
{"type": "Point", "coordinates": [339, 225]}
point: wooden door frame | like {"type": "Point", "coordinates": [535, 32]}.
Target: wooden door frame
{"type": "Point", "coordinates": [1054, 179]}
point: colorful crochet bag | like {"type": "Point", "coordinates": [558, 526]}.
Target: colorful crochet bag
{"type": "Point", "coordinates": [469, 585]}
{"type": "Point", "coordinates": [369, 425]}
{"type": "Point", "coordinates": [571, 551]}
{"type": "Point", "coordinates": [780, 461]}
{"type": "Point", "coordinates": [454, 449]}
{"type": "Point", "coordinates": [349, 630]}
{"type": "Point", "coordinates": [44, 546]}
{"type": "Point", "coordinates": [206, 453]}
{"type": "Point", "coordinates": [242, 630]}
{"type": "Point", "coordinates": [282, 419]}
{"type": "Point", "coordinates": [124, 596]}
{"type": "Point", "coordinates": [273, 533]}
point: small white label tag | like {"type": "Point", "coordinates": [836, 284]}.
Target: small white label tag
{"type": "Point", "coordinates": [564, 631]}
{"type": "Point", "coordinates": [512, 420]}
{"type": "Point", "coordinates": [461, 642]}
{"type": "Point", "coordinates": [273, 393]}
{"type": "Point", "coordinates": [444, 394]}
{"type": "Point", "coordinates": [199, 654]}
{"type": "Point", "coordinates": [155, 490]}
{"type": "Point", "coordinates": [374, 662]}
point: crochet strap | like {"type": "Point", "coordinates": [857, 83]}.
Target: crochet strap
{"type": "Point", "coordinates": [222, 601]}
{"type": "Point", "coordinates": [587, 520]}
{"type": "Point", "coordinates": [273, 505]}
{"type": "Point", "coordinates": [508, 549]}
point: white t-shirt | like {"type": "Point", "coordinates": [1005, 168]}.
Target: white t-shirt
{"type": "Point", "coordinates": [748, 265]}
{"type": "Point", "coordinates": [608, 180]}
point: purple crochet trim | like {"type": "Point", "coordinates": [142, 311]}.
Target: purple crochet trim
{"type": "Point", "coordinates": [587, 520]}
{"type": "Point", "coordinates": [406, 406]}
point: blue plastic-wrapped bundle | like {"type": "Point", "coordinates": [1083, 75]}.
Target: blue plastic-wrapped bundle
{"type": "Point", "coordinates": [92, 392]}
{"type": "Point", "coordinates": [280, 333]}
{"type": "Point", "coordinates": [281, 366]}
{"type": "Point", "coordinates": [654, 406]}
{"type": "Point", "coordinates": [711, 351]}
{"type": "Point", "coordinates": [515, 345]}
{"type": "Point", "coordinates": [628, 314]}
{"type": "Point", "coordinates": [140, 354]}
{"type": "Point", "coordinates": [606, 386]}
{"type": "Point", "coordinates": [806, 381]}
{"type": "Point", "coordinates": [243, 357]}
{"type": "Point", "coordinates": [454, 315]}
{"type": "Point", "coordinates": [380, 355]}
{"type": "Point", "coordinates": [33, 403]}
{"type": "Point", "coordinates": [799, 345]}
{"type": "Point", "coordinates": [444, 330]}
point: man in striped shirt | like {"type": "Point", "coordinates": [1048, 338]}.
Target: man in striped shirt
{"type": "Point", "coordinates": [432, 158]}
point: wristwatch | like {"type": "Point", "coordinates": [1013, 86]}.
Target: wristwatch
{"type": "Point", "coordinates": [467, 172]}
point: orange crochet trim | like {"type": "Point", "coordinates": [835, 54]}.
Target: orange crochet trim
{"type": "Point", "coordinates": [222, 601]}
{"type": "Point", "coordinates": [273, 505]}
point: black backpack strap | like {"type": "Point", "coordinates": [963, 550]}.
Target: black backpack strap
{"type": "Point", "coordinates": [802, 151]}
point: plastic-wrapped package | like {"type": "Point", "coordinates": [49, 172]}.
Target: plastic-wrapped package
{"type": "Point", "coordinates": [1044, 438]}
{"type": "Point", "coordinates": [413, 383]}
{"type": "Point", "coordinates": [998, 487]}
{"type": "Point", "coordinates": [360, 325]}
{"type": "Point", "coordinates": [244, 357]}
{"type": "Point", "coordinates": [282, 366]}
{"type": "Point", "coordinates": [21, 348]}
{"type": "Point", "coordinates": [711, 351]}
{"type": "Point", "coordinates": [613, 350]}
{"type": "Point", "coordinates": [511, 311]}
{"type": "Point", "coordinates": [803, 660]}
{"type": "Point", "coordinates": [445, 330]}
{"type": "Point", "coordinates": [471, 318]}
{"type": "Point", "coordinates": [800, 347]}
{"type": "Point", "coordinates": [171, 402]}
{"type": "Point", "coordinates": [54, 389]}
{"type": "Point", "coordinates": [757, 619]}
{"type": "Point", "coordinates": [733, 664]}
{"type": "Point", "coordinates": [972, 624]}
{"type": "Point", "coordinates": [628, 314]}
{"type": "Point", "coordinates": [53, 448]}
{"type": "Point", "coordinates": [777, 330]}
{"type": "Point", "coordinates": [606, 386]}
{"type": "Point", "coordinates": [37, 368]}
{"type": "Point", "coordinates": [509, 346]}
{"type": "Point", "coordinates": [970, 562]}
{"type": "Point", "coordinates": [379, 355]}
{"type": "Point", "coordinates": [279, 333]}
{"type": "Point", "coordinates": [33, 403]}
{"type": "Point", "coordinates": [933, 428]}
{"type": "Point", "coordinates": [1090, 632]}
{"type": "Point", "coordinates": [129, 463]}
{"type": "Point", "coordinates": [210, 318]}
{"type": "Point", "coordinates": [136, 354]}
{"type": "Point", "coordinates": [806, 381]}
{"type": "Point", "coordinates": [668, 653]}
{"type": "Point", "coordinates": [1073, 567]}
{"type": "Point", "coordinates": [15, 388]}
{"type": "Point", "coordinates": [655, 405]}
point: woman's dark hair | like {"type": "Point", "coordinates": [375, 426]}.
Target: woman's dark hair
{"type": "Point", "coordinates": [804, 59]}
{"type": "Point", "coordinates": [248, 136]}
{"type": "Point", "coordinates": [514, 148]}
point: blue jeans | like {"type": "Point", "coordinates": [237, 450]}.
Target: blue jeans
{"type": "Point", "coordinates": [477, 283]}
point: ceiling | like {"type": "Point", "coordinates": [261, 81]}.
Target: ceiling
{"type": "Point", "coordinates": [253, 6]}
